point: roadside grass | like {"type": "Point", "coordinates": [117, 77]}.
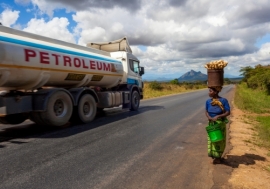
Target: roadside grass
{"type": "Point", "coordinates": [257, 104]}
{"type": "Point", "coordinates": [251, 100]}
{"type": "Point", "coordinates": [162, 89]}
{"type": "Point", "coordinates": [264, 129]}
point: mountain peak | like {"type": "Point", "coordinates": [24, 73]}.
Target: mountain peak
{"type": "Point", "coordinates": [193, 76]}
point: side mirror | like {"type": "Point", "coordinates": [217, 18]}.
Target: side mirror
{"type": "Point", "coordinates": [141, 71]}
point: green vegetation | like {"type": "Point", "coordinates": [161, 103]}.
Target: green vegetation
{"type": "Point", "coordinates": [157, 89]}
{"type": "Point", "coordinates": [257, 78]}
{"type": "Point", "coordinates": [255, 101]}
{"type": "Point", "coordinates": [264, 129]}
{"type": "Point", "coordinates": [155, 86]}
{"type": "Point", "coordinates": [175, 81]}
{"type": "Point", "coordinates": [253, 95]}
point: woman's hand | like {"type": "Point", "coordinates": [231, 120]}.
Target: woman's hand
{"type": "Point", "coordinates": [213, 118]}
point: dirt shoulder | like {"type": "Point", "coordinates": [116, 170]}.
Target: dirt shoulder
{"type": "Point", "coordinates": [250, 163]}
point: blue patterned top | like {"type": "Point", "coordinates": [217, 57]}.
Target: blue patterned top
{"type": "Point", "coordinates": [216, 110]}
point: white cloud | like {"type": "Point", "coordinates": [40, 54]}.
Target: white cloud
{"type": "Point", "coordinates": [92, 35]}
{"type": "Point", "coordinates": [9, 17]}
{"type": "Point", "coordinates": [55, 28]}
{"type": "Point", "coordinates": [117, 27]}
{"type": "Point", "coordinates": [217, 20]}
{"type": "Point", "coordinates": [45, 8]}
{"type": "Point", "coordinates": [263, 55]}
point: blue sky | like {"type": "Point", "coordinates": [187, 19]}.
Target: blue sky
{"type": "Point", "coordinates": [263, 40]}
{"type": "Point", "coordinates": [169, 37]}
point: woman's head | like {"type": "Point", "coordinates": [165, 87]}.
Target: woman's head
{"type": "Point", "coordinates": [213, 91]}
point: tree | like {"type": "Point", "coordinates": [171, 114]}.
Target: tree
{"type": "Point", "coordinates": [175, 82]}
{"type": "Point", "coordinates": [246, 72]}
{"type": "Point", "coordinates": [257, 78]}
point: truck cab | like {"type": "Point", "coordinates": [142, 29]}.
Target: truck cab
{"type": "Point", "coordinates": [121, 51]}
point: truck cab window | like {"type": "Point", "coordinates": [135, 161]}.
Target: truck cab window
{"type": "Point", "coordinates": [134, 66]}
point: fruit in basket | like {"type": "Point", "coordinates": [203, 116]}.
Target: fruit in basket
{"type": "Point", "coordinates": [216, 65]}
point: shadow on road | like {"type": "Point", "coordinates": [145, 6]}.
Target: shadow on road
{"type": "Point", "coordinates": [31, 130]}
{"type": "Point", "coordinates": [247, 159]}
{"type": "Point", "coordinates": [222, 171]}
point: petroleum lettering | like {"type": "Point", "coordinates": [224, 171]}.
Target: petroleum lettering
{"type": "Point", "coordinates": [92, 65]}
{"type": "Point", "coordinates": [77, 62]}
{"type": "Point", "coordinates": [106, 67]}
{"type": "Point", "coordinates": [67, 60]}
{"type": "Point", "coordinates": [99, 65]}
{"type": "Point", "coordinates": [29, 53]}
{"type": "Point", "coordinates": [84, 66]}
{"type": "Point", "coordinates": [44, 58]}
{"type": "Point", "coordinates": [56, 58]}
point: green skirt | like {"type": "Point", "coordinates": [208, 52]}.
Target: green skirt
{"type": "Point", "coordinates": [216, 149]}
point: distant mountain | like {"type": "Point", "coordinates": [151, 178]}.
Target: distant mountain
{"type": "Point", "coordinates": [193, 76]}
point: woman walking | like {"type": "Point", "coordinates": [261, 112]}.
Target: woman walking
{"type": "Point", "coordinates": [217, 109]}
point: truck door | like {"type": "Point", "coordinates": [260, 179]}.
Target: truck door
{"type": "Point", "coordinates": [134, 73]}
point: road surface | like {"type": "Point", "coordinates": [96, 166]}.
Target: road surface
{"type": "Point", "coordinates": [163, 145]}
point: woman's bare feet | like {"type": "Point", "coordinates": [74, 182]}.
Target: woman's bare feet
{"type": "Point", "coordinates": [217, 161]}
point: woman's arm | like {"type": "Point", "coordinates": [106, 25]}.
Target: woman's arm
{"type": "Point", "coordinates": [225, 114]}
{"type": "Point", "coordinates": [207, 115]}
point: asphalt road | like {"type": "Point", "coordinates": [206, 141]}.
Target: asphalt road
{"type": "Point", "coordinates": [163, 145]}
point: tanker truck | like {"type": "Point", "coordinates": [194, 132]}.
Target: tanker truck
{"type": "Point", "coordinates": [53, 82]}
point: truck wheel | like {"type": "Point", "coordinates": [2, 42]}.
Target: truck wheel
{"type": "Point", "coordinates": [135, 101]}
{"type": "Point", "coordinates": [86, 110]}
{"type": "Point", "coordinates": [59, 110]}
{"type": "Point", "coordinates": [14, 119]}
{"type": "Point", "coordinates": [35, 117]}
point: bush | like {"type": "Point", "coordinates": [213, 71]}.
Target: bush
{"type": "Point", "coordinates": [257, 78]}
{"type": "Point", "coordinates": [155, 85]}
{"type": "Point", "coordinates": [175, 82]}
{"type": "Point", "coordinates": [189, 86]}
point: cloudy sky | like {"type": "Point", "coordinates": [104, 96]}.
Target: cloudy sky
{"type": "Point", "coordinates": [170, 37]}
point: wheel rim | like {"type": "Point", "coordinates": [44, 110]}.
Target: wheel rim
{"type": "Point", "coordinates": [59, 108]}
{"type": "Point", "coordinates": [86, 109]}
{"type": "Point", "coordinates": [135, 100]}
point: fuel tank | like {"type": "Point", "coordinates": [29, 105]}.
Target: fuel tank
{"type": "Point", "coordinates": [29, 61]}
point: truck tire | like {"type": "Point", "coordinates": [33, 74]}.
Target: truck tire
{"type": "Point", "coordinates": [135, 101]}
{"type": "Point", "coordinates": [86, 110]}
{"type": "Point", "coordinates": [35, 117]}
{"type": "Point", "coordinates": [58, 112]}
{"type": "Point", "coordinates": [14, 119]}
